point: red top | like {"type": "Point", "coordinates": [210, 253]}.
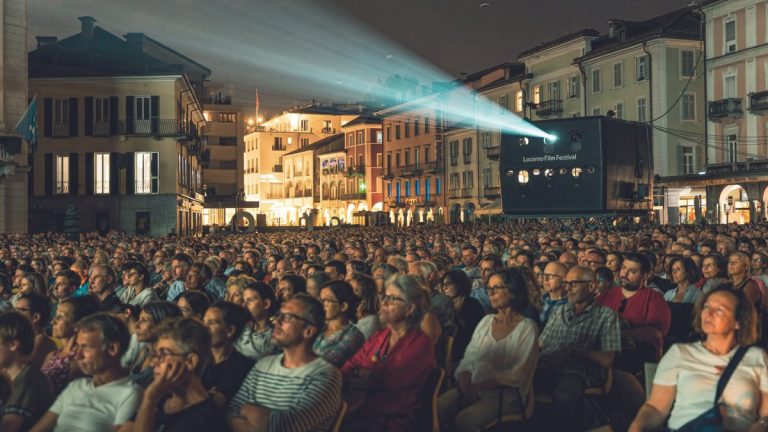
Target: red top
{"type": "Point", "coordinates": [397, 378]}
{"type": "Point", "coordinates": [646, 308]}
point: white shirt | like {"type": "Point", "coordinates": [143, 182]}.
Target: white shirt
{"type": "Point", "coordinates": [694, 371]}
{"type": "Point", "coordinates": [511, 360]}
{"type": "Point", "coordinates": [81, 407]}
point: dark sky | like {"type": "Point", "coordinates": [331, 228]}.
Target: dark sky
{"type": "Point", "coordinates": [315, 42]}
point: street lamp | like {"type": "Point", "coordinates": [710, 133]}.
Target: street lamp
{"type": "Point", "coordinates": [239, 196]}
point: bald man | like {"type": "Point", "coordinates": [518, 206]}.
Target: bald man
{"type": "Point", "coordinates": [554, 290]}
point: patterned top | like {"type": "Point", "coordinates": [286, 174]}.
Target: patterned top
{"type": "Point", "coordinates": [57, 369]}
{"type": "Point", "coordinates": [595, 329]}
{"type": "Point", "coordinates": [548, 305]}
{"type": "Point", "coordinates": [340, 346]}
{"type": "Point", "coordinates": [256, 344]}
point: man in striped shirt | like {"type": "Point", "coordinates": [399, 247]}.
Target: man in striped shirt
{"type": "Point", "coordinates": [295, 391]}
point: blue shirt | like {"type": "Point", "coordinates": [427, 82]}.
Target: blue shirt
{"type": "Point", "coordinates": [82, 290]}
{"type": "Point", "coordinates": [548, 305]}
{"type": "Point", "coordinates": [177, 288]}
{"type": "Point", "coordinates": [480, 294]}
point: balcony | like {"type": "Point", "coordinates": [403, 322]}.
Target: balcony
{"type": "Point", "coordinates": [157, 128]}
{"type": "Point", "coordinates": [434, 167]}
{"type": "Point", "coordinates": [454, 193]}
{"type": "Point", "coordinates": [353, 196]}
{"type": "Point", "coordinates": [274, 195]}
{"type": "Point", "coordinates": [60, 130]}
{"type": "Point", "coordinates": [725, 109]}
{"type": "Point", "coordinates": [549, 107]}
{"type": "Point", "coordinates": [277, 168]}
{"type": "Point", "coordinates": [387, 174]}
{"type": "Point", "coordinates": [466, 192]}
{"type": "Point", "coordinates": [412, 170]}
{"type": "Point", "coordinates": [333, 170]}
{"type": "Point", "coordinates": [101, 129]}
{"type": "Point", "coordinates": [758, 102]}
{"type": "Point", "coordinates": [278, 147]}
{"type": "Point", "coordinates": [454, 160]}
{"type": "Point", "coordinates": [492, 192]}
{"type": "Point", "coordinates": [358, 170]}
{"type": "Point", "coordinates": [328, 130]}
{"type": "Point", "coordinates": [493, 152]}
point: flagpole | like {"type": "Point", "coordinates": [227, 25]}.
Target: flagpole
{"type": "Point", "coordinates": [257, 110]}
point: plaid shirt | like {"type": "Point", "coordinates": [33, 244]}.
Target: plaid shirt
{"type": "Point", "coordinates": [548, 305]}
{"type": "Point", "coordinates": [595, 329]}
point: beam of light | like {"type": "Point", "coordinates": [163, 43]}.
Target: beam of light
{"type": "Point", "coordinates": [304, 49]}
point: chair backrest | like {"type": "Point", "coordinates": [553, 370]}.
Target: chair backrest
{"type": "Point", "coordinates": [649, 370]}
{"type": "Point", "coordinates": [340, 417]}
{"type": "Point", "coordinates": [426, 416]}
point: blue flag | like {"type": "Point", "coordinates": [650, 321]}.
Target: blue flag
{"type": "Point", "coordinates": [27, 126]}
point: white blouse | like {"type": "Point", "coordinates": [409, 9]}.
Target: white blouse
{"type": "Point", "coordinates": [511, 360]}
{"type": "Point", "coordinates": [694, 371]}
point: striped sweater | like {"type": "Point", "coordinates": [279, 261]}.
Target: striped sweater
{"type": "Point", "coordinates": [301, 399]}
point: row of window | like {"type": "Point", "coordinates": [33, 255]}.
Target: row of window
{"type": "Point", "coordinates": [358, 137]}
{"type": "Point", "coordinates": [404, 188]}
{"type": "Point", "coordinates": [408, 126]}
{"type": "Point", "coordinates": [406, 160]}
{"type": "Point", "coordinates": [101, 175]}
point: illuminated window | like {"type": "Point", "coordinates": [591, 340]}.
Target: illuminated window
{"type": "Point", "coordinates": [101, 173]}
{"type": "Point", "coordinates": [537, 94]}
{"type": "Point", "coordinates": [62, 174]}
{"type": "Point", "coordinates": [146, 172]}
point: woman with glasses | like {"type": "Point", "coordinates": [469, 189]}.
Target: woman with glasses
{"type": "Point", "coordinates": [151, 315]}
{"type": "Point", "coordinates": [759, 262]}
{"type": "Point", "coordinates": [341, 339]}
{"type": "Point", "coordinates": [60, 366]}
{"type": "Point", "coordinates": [384, 379]}
{"type": "Point", "coordinates": [468, 310]}
{"type": "Point", "coordinates": [256, 340]}
{"type": "Point", "coordinates": [502, 354]}
{"type": "Point", "coordinates": [687, 377]}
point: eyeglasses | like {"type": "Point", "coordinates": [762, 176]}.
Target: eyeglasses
{"type": "Point", "coordinates": [550, 276]}
{"type": "Point", "coordinates": [290, 317]}
{"type": "Point", "coordinates": [161, 355]}
{"type": "Point", "coordinates": [327, 301]}
{"type": "Point", "coordinates": [569, 284]}
{"type": "Point", "coordinates": [391, 299]}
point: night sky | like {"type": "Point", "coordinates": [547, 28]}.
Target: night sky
{"type": "Point", "coordinates": [309, 39]}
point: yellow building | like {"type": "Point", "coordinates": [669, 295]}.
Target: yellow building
{"type": "Point", "coordinates": [119, 134]}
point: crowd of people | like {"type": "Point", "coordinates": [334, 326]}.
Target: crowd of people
{"type": "Point", "coordinates": [301, 331]}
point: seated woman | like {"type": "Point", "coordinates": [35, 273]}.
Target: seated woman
{"type": "Point", "coordinates": [193, 304]}
{"type": "Point", "coordinates": [684, 275]}
{"type": "Point", "coordinates": [37, 309]}
{"type": "Point", "coordinates": [236, 288]}
{"type": "Point", "coordinates": [392, 367]}
{"type": "Point", "coordinates": [227, 368]}
{"type": "Point", "coordinates": [288, 286]}
{"type": "Point", "coordinates": [151, 315]}
{"type": "Point", "coordinates": [469, 311]}
{"type": "Point", "coordinates": [686, 379]}
{"type": "Point", "coordinates": [368, 307]}
{"type": "Point", "coordinates": [256, 340]}
{"type": "Point", "coordinates": [61, 366]}
{"type": "Point", "coordinates": [714, 269]}
{"type": "Point", "coordinates": [176, 400]}
{"type": "Point", "coordinates": [341, 339]}
{"type": "Point", "coordinates": [503, 352]}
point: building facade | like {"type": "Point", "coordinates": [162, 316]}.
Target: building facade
{"type": "Point", "coordinates": [14, 161]}
{"type": "Point", "coordinates": [363, 143]}
{"type": "Point", "coordinates": [223, 158]}
{"type": "Point", "coordinates": [120, 143]}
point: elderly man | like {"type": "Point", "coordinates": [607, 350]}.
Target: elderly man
{"type": "Point", "coordinates": [554, 289]}
{"type": "Point", "coordinates": [103, 283]}
{"type": "Point", "coordinates": [578, 344]}
{"type": "Point", "coordinates": [295, 390]}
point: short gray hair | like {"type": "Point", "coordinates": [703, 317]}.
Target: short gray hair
{"type": "Point", "coordinates": [413, 292]}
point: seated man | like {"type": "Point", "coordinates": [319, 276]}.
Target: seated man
{"type": "Point", "coordinates": [107, 398]}
{"type": "Point", "coordinates": [31, 393]}
{"type": "Point", "coordinates": [578, 343]}
{"type": "Point", "coordinates": [176, 400]}
{"type": "Point", "coordinates": [293, 391]}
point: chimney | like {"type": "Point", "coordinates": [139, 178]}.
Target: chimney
{"type": "Point", "coordinates": [46, 41]}
{"type": "Point", "coordinates": [135, 39]}
{"type": "Point", "coordinates": [613, 27]}
{"type": "Point", "coordinates": [86, 26]}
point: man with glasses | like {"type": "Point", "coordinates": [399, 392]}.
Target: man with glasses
{"type": "Point", "coordinates": [578, 345]}
{"type": "Point", "coordinates": [295, 390]}
{"type": "Point", "coordinates": [554, 289]}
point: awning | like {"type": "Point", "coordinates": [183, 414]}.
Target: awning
{"type": "Point", "coordinates": [492, 208]}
